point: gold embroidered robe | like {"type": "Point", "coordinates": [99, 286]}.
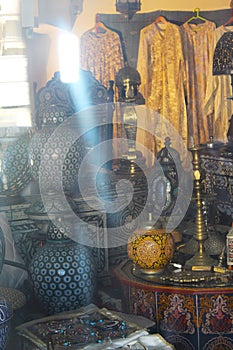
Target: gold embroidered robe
{"type": "Point", "coordinates": [160, 64]}
{"type": "Point", "coordinates": [198, 46]}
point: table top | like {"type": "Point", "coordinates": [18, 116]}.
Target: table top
{"type": "Point", "coordinates": [174, 279]}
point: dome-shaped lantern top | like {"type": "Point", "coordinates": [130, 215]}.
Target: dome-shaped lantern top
{"type": "Point", "coordinates": [127, 82]}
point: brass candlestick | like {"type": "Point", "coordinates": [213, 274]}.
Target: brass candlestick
{"type": "Point", "coordinates": [201, 261]}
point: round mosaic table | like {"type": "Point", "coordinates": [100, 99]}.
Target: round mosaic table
{"type": "Point", "coordinates": [189, 316]}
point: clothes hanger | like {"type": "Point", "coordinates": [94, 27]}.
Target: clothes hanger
{"type": "Point", "coordinates": [99, 25]}
{"type": "Point", "coordinates": [197, 16]}
{"type": "Point", "coordinates": [230, 20]}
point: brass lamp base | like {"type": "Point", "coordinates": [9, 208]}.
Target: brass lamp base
{"type": "Point", "coordinates": [132, 163]}
{"type": "Point", "coordinates": [200, 262]}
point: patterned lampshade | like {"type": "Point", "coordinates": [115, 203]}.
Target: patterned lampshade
{"type": "Point", "coordinates": [223, 55]}
{"type": "Point", "coordinates": [223, 65]}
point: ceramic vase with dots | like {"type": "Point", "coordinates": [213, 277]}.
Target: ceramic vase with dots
{"type": "Point", "coordinates": [62, 272]}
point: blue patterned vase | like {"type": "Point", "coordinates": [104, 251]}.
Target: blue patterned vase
{"type": "Point", "coordinates": [62, 272]}
{"type": "Point", "coordinates": [6, 313]}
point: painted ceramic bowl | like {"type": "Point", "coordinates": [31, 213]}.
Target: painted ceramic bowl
{"type": "Point", "coordinates": [151, 250]}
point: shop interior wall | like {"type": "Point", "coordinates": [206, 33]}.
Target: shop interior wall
{"type": "Point", "coordinates": [175, 10]}
{"type": "Point", "coordinates": [90, 8]}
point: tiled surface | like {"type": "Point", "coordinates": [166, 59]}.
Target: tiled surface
{"type": "Point", "coordinates": [177, 316]}
{"type": "Point", "coordinates": [189, 321]}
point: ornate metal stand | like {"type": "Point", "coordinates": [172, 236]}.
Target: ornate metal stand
{"type": "Point", "coordinates": [201, 269]}
{"type": "Point", "coordinates": [201, 261]}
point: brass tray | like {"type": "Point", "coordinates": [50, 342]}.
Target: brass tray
{"type": "Point", "coordinates": [76, 329]}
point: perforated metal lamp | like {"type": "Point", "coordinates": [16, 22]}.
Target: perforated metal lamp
{"type": "Point", "coordinates": [128, 7]}
{"type": "Point", "coordinates": [223, 65]}
{"type": "Point", "coordinates": [223, 55]}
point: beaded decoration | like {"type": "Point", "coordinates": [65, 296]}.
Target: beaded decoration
{"type": "Point", "coordinates": [79, 331]}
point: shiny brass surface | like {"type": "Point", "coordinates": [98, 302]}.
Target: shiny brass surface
{"type": "Point", "coordinates": [172, 275]}
{"type": "Point", "coordinates": [201, 261]}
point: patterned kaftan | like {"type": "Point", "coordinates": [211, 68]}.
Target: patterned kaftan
{"type": "Point", "coordinates": [218, 105]}
{"type": "Point", "coordinates": [160, 64]}
{"type": "Point", "coordinates": [198, 48]}
{"type": "Point", "coordinates": [101, 53]}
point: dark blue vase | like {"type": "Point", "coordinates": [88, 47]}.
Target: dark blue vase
{"type": "Point", "coordinates": [63, 273]}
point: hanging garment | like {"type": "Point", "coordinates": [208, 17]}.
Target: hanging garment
{"type": "Point", "coordinates": [101, 53]}
{"type": "Point", "coordinates": [160, 64]}
{"type": "Point", "coordinates": [198, 48]}
{"type": "Point", "coordinates": [218, 106]}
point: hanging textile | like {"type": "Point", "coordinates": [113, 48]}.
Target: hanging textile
{"type": "Point", "coordinates": [218, 106]}
{"type": "Point", "coordinates": [101, 53]}
{"type": "Point", "coordinates": [130, 30]}
{"type": "Point", "coordinates": [160, 64]}
{"type": "Point", "coordinates": [198, 49]}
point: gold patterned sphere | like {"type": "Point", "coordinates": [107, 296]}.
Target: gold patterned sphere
{"type": "Point", "coordinates": [151, 250]}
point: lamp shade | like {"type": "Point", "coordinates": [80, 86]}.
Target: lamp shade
{"type": "Point", "coordinates": [223, 55]}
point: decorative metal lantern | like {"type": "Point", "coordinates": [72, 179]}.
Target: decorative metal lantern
{"type": "Point", "coordinates": [128, 7]}
{"type": "Point", "coordinates": [127, 82]}
{"type": "Point", "coordinates": [223, 65]}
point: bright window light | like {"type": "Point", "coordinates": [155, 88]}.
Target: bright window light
{"type": "Point", "coordinates": [15, 94]}
{"type": "Point", "coordinates": [18, 116]}
{"type": "Point", "coordinates": [15, 89]}
{"type": "Point", "coordinates": [69, 58]}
